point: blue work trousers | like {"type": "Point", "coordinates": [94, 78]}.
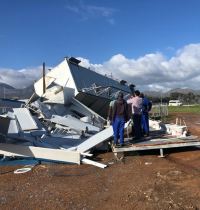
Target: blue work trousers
{"type": "Point", "coordinates": [145, 122]}
{"type": "Point", "coordinates": [118, 127]}
{"type": "Point", "coordinates": [137, 125]}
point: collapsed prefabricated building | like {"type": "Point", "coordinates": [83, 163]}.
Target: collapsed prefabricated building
{"type": "Point", "coordinates": [66, 113]}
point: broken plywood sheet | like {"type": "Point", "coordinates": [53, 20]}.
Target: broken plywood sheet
{"type": "Point", "coordinates": [59, 95]}
{"type": "Point", "coordinates": [39, 85]}
{"type": "Point", "coordinates": [25, 119]}
{"type": "Point", "coordinates": [40, 153]}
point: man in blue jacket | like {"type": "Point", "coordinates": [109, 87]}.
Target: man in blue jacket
{"type": "Point", "coordinates": [146, 108]}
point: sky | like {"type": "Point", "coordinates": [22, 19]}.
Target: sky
{"type": "Point", "coordinates": [154, 44]}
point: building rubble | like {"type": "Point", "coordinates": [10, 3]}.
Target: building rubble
{"type": "Point", "coordinates": [65, 118]}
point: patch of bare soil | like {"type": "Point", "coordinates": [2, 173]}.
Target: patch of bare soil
{"type": "Point", "coordinates": [143, 181]}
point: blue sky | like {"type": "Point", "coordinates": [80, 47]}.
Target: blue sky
{"type": "Point", "coordinates": [33, 31]}
{"type": "Point", "coordinates": [47, 30]}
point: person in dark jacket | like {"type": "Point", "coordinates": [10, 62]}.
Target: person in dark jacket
{"type": "Point", "coordinates": [119, 117]}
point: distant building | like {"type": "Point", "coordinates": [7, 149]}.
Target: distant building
{"type": "Point", "coordinates": [175, 103]}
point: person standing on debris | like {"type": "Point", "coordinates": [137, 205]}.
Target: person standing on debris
{"type": "Point", "coordinates": [111, 105]}
{"type": "Point", "coordinates": [146, 108]}
{"type": "Point", "coordinates": [119, 117]}
{"type": "Point", "coordinates": [136, 103]}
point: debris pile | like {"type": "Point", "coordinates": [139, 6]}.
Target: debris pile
{"type": "Point", "coordinates": [65, 117]}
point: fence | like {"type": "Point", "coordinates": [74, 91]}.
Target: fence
{"type": "Point", "coordinates": [159, 110]}
{"type": "Point", "coordinates": [7, 105]}
{"type": "Point", "coordinates": [4, 110]}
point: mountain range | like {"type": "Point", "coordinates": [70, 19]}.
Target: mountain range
{"type": "Point", "coordinates": [7, 91]}
{"type": "Point", "coordinates": [167, 94]}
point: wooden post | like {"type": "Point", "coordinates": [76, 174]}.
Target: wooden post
{"type": "Point", "coordinates": [44, 85]}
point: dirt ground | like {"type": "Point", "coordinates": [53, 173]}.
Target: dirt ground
{"type": "Point", "coordinates": [143, 181]}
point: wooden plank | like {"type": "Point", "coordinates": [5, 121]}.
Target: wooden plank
{"type": "Point", "coordinates": [40, 153]}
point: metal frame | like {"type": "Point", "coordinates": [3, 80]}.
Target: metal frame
{"type": "Point", "coordinates": [161, 147]}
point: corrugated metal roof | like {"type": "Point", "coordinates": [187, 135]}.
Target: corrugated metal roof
{"type": "Point", "coordinates": [85, 78]}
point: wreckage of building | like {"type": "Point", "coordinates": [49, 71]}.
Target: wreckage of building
{"type": "Point", "coordinates": [65, 118]}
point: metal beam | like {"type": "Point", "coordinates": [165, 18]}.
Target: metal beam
{"type": "Point", "coordinates": [164, 146]}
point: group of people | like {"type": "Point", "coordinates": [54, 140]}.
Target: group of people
{"type": "Point", "coordinates": [136, 107]}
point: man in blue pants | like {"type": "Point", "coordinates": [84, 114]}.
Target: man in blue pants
{"type": "Point", "coordinates": [146, 107]}
{"type": "Point", "coordinates": [119, 117]}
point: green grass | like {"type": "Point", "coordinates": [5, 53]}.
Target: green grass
{"type": "Point", "coordinates": [184, 109]}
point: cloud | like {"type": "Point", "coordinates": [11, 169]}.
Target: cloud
{"type": "Point", "coordinates": [154, 71]}
{"type": "Point", "coordinates": [149, 72]}
{"type": "Point", "coordinates": [85, 11]}
{"type": "Point", "coordinates": [20, 78]}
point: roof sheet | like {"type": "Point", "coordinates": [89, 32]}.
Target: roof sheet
{"type": "Point", "coordinates": [85, 78]}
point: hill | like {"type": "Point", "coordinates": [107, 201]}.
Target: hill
{"type": "Point", "coordinates": [7, 91]}
{"type": "Point", "coordinates": [183, 91]}
{"type": "Point", "coordinates": [167, 94]}
{"type": "Point", "coordinates": [6, 86]}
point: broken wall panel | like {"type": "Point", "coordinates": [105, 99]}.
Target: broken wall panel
{"type": "Point", "coordinates": [40, 153]}
{"type": "Point", "coordinates": [61, 75]}
{"type": "Point", "coordinates": [25, 119]}
{"type": "Point", "coordinates": [73, 123]}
